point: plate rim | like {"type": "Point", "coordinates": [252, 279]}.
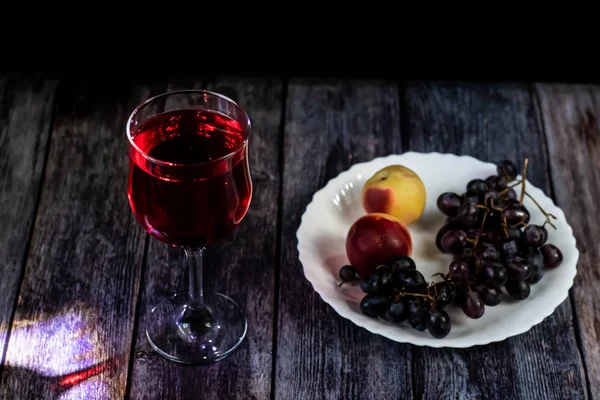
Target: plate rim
{"type": "Point", "coordinates": [347, 313]}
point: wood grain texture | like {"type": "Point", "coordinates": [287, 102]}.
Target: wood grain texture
{"type": "Point", "coordinates": [242, 266]}
{"type": "Point", "coordinates": [571, 118]}
{"type": "Point", "coordinates": [77, 301]}
{"type": "Point", "coordinates": [320, 355]}
{"type": "Point", "coordinates": [492, 122]}
{"type": "Point", "coordinates": [25, 117]}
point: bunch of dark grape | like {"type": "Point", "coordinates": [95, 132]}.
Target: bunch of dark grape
{"type": "Point", "coordinates": [494, 246]}
{"type": "Point", "coordinates": [399, 293]}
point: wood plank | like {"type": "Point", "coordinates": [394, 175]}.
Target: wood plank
{"type": "Point", "coordinates": [76, 306]}
{"type": "Point", "coordinates": [570, 115]}
{"type": "Point", "coordinates": [242, 266]}
{"type": "Point", "coordinates": [25, 116]}
{"type": "Point", "coordinates": [492, 122]}
{"type": "Point", "coordinates": [320, 355]}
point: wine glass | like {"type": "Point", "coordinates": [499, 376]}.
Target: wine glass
{"type": "Point", "coordinates": [190, 186]}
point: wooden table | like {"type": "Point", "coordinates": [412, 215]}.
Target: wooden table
{"type": "Point", "coordinates": [77, 272]}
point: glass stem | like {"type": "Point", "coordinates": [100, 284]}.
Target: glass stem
{"type": "Point", "coordinates": [193, 260]}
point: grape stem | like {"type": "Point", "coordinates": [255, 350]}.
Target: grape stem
{"type": "Point", "coordinates": [523, 180]}
{"type": "Point", "coordinates": [546, 214]}
{"type": "Point", "coordinates": [517, 183]}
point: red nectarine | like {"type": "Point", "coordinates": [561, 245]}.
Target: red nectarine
{"type": "Point", "coordinates": [374, 239]}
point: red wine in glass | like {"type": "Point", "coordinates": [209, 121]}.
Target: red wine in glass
{"type": "Point", "coordinates": [201, 204]}
{"type": "Point", "coordinates": [190, 186]}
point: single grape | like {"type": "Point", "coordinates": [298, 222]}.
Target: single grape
{"type": "Point", "coordinates": [468, 214]}
{"type": "Point", "coordinates": [472, 305]}
{"type": "Point", "coordinates": [448, 227]}
{"type": "Point", "coordinates": [373, 305]}
{"type": "Point", "coordinates": [439, 324]}
{"type": "Point", "coordinates": [402, 262]}
{"type": "Point", "coordinates": [511, 194]}
{"type": "Point", "coordinates": [515, 214]}
{"type": "Point", "coordinates": [497, 183]}
{"type": "Point", "coordinates": [472, 197]}
{"type": "Point", "coordinates": [552, 256]}
{"type": "Point", "coordinates": [397, 312]}
{"type": "Point", "coordinates": [519, 290]}
{"type": "Point", "coordinates": [490, 295]}
{"type": "Point", "coordinates": [493, 221]}
{"type": "Point", "coordinates": [490, 198]}
{"type": "Point", "coordinates": [536, 275]}
{"type": "Point", "coordinates": [348, 273]}
{"type": "Point", "coordinates": [448, 203]}
{"type": "Point", "coordinates": [507, 169]}
{"type": "Point", "coordinates": [477, 186]}
{"type": "Point", "coordinates": [490, 181]}
{"type": "Point", "coordinates": [418, 314]}
{"type": "Point", "coordinates": [536, 265]}
{"type": "Point", "coordinates": [509, 249]}
{"type": "Point", "coordinates": [514, 233]}
{"type": "Point", "coordinates": [517, 269]}
{"type": "Point", "coordinates": [443, 293]}
{"type": "Point", "coordinates": [465, 255]}
{"type": "Point", "coordinates": [453, 241]}
{"type": "Point", "coordinates": [535, 235]}
{"type": "Point", "coordinates": [486, 251]}
{"type": "Point", "coordinates": [410, 280]}
{"type": "Point", "coordinates": [458, 270]}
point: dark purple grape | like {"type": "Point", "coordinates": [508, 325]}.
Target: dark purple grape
{"type": "Point", "coordinates": [418, 314]}
{"type": "Point", "coordinates": [453, 241]}
{"type": "Point", "coordinates": [409, 280]}
{"type": "Point", "coordinates": [472, 305]}
{"type": "Point", "coordinates": [402, 262]}
{"type": "Point", "coordinates": [443, 293]}
{"type": "Point", "coordinates": [471, 197]}
{"type": "Point", "coordinates": [514, 233]}
{"type": "Point", "coordinates": [449, 226]}
{"type": "Point", "coordinates": [373, 305]}
{"type": "Point", "coordinates": [490, 295]}
{"type": "Point", "coordinates": [439, 324]}
{"type": "Point", "coordinates": [535, 235]}
{"type": "Point", "coordinates": [458, 270]}
{"type": "Point", "coordinates": [490, 198]}
{"type": "Point", "coordinates": [489, 181]}
{"type": "Point", "coordinates": [515, 214]}
{"type": "Point", "coordinates": [348, 273]}
{"type": "Point", "coordinates": [486, 251]}
{"type": "Point", "coordinates": [507, 169]}
{"type": "Point", "coordinates": [552, 256]}
{"type": "Point", "coordinates": [509, 249]}
{"type": "Point", "coordinates": [468, 214]}
{"type": "Point", "coordinates": [448, 203]}
{"type": "Point", "coordinates": [517, 269]}
{"type": "Point", "coordinates": [536, 275]}
{"type": "Point", "coordinates": [493, 221]}
{"type": "Point", "coordinates": [519, 290]}
{"type": "Point", "coordinates": [465, 255]}
{"type": "Point", "coordinates": [379, 282]}
{"type": "Point", "coordinates": [487, 271]}
{"type": "Point", "coordinates": [497, 183]}
{"type": "Point", "coordinates": [397, 312]}
{"type": "Point", "coordinates": [511, 194]}
{"type": "Point", "coordinates": [495, 237]}
{"type": "Point", "coordinates": [477, 186]}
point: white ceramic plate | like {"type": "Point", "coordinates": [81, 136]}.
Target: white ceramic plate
{"type": "Point", "coordinates": [327, 219]}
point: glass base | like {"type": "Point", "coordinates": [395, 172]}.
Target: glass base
{"type": "Point", "coordinates": [180, 333]}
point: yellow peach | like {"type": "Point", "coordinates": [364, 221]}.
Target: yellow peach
{"type": "Point", "coordinates": [395, 190]}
